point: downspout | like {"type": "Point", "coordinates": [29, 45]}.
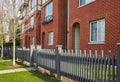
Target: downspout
{"type": "Point", "coordinates": [67, 24]}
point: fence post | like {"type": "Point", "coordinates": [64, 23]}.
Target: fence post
{"type": "Point", "coordinates": [38, 48]}
{"type": "Point", "coordinates": [58, 50]}
{"type": "Point", "coordinates": [118, 62]}
{"type": "Point", "coordinates": [32, 47]}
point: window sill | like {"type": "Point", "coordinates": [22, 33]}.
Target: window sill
{"type": "Point", "coordinates": [96, 42]}
{"type": "Point", "coordinates": [86, 4]}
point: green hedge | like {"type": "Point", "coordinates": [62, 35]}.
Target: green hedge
{"type": "Point", "coordinates": [11, 44]}
{"type": "Point", "coordinates": [8, 44]}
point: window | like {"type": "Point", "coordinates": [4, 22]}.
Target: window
{"type": "Point", "coordinates": [51, 38]}
{"type": "Point", "coordinates": [32, 4]}
{"type": "Point", "coordinates": [32, 22]}
{"type": "Point", "coordinates": [39, 2]}
{"type": "Point", "coordinates": [33, 40]}
{"type": "Point", "coordinates": [49, 9]}
{"type": "Point", "coordinates": [83, 2]}
{"type": "Point", "coordinates": [43, 1]}
{"type": "Point", "coordinates": [97, 31]}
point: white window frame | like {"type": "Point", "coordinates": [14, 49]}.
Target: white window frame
{"type": "Point", "coordinates": [90, 1]}
{"type": "Point", "coordinates": [44, 1]}
{"type": "Point", "coordinates": [32, 4]}
{"type": "Point", "coordinates": [32, 22]}
{"type": "Point", "coordinates": [39, 2]}
{"type": "Point", "coordinates": [50, 38]}
{"type": "Point", "coordinates": [98, 41]}
{"type": "Point", "coordinates": [48, 10]}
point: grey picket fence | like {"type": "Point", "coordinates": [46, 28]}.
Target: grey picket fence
{"type": "Point", "coordinates": [81, 67]}
{"type": "Point", "coordinates": [8, 51]}
{"type": "Point", "coordinates": [23, 54]}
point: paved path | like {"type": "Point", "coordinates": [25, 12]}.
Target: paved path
{"type": "Point", "coordinates": [17, 70]}
{"type": "Point", "coordinates": [5, 60]}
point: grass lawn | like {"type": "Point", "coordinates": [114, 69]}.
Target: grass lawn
{"type": "Point", "coordinates": [88, 71]}
{"type": "Point", "coordinates": [29, 76]}
{"type": "Point", "coordinates": [4, 58]}
{"type": "Point", "coordinates": [8, 65]}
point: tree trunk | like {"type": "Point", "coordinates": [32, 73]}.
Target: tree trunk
{"type": "Point", "coordinates": [14, 51]}
{"type": "Point", "coordinates": [2, 49]}
{"type": "Point", "coordinates": [14, 31]}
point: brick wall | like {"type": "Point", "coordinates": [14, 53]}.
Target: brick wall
{"type": "Point", "coordinates": [57, 25]}
{"type": "Point", "coordinates": [99, 9]}
{"type": "Point", "coordinates": [107, 9]}
{"type": "Point", "coordinates": [38, 27]}
{"type": "Point", "coordinates": [27, 35]}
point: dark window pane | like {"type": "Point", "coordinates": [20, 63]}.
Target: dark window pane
{"type": "Point", "coordinates": [94, 31]}
{"type": "Point", "coordinates": [82, 2]}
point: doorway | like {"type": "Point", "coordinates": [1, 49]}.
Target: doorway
{"type": "Point", "coordinates": [76, 35]}
{"type": "Point", "coordinates": [43, 40]}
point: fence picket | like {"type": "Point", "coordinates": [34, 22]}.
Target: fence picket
{"type": "Point", "coordinates": [98, 76]}
{"type": "Point", "coordinates": [109, 74]}
{"type": "Point", "coordinates": [105, 68]}
{"type": "Point", "coordinates": [81, 75]}
{"type": "Point", "coordinates": [95, 65]}
{"type": "Point", "coordinates": [75, 65]}
{"type": "Point", "coordinates": [90, 65]}
{"type": "Point", "coordinates": [87, 63]}
{"type": "Point", "coordinates": [79, 65]}
{"type": "Point", "coordinates": [93, 57]}
{"type": "Point", "coordinates": [82, 68]}
{"type": "Point", "coordinates": [113, 69]}
{"type": "Point", "coordinates": [102, 57]}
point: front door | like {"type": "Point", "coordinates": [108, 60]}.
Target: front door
{"type": "Point", "coordinates": [43, 40]}
{"type": "Point", "coordinates": [76, 37]}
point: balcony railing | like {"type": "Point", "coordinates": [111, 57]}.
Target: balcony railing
{"type": "Point", "coordinates": [47, 19]}
{"type": "Point", "coordinates": [23, 4]}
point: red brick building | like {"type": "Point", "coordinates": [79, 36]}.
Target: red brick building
{"type": "Point", "coordinates": [94, 24]}
{"type": "Point", "coordinates": [74, 24]}
{"type": "Point", "coordinates": [30, 15]}
{"type": "Point", "coordinates": [53, 23]}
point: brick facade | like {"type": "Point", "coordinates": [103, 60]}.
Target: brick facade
{"type": "Point", "coordinates": [36, 31]}
{"type": "Point", "coordinates": [57, 25]}
{"type": "Point", "coordinates": [107, 9]}
{"type": "Point", "coordinates": [26, 36]}
{"type": "Point", "coordinates": [81, 16]}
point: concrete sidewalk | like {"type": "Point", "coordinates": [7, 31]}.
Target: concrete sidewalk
{"type": "Point", "coordinates": [5, 60]}
{"type": "Point", "coordinates": [17, 70]}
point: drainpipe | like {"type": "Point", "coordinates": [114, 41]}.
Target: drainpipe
{"type": "Point", "coordinates": [67, 25]}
